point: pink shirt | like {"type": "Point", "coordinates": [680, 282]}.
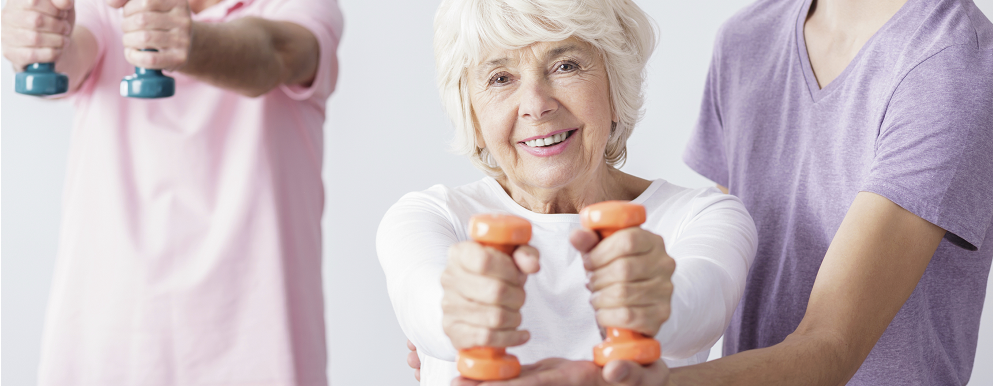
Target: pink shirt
{"type": "Point", "coordinates": [191, 235]}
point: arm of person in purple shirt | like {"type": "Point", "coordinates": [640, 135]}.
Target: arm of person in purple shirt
{"type": "Point", "coordinates": [44, 31]}
{"type": "Point", "coordinates": [873, 264]}
{"type": "Point", "coordinates": [248, 55]}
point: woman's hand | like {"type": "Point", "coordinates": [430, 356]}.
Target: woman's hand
{"type": "Point", "coordinates": [484, 292]}
{"type": "Point", "coordinates": [630, 277]}
{"type": "Point", "coordinates": [163, 25]}
{"type": "Point", "coordinates": [36, 31]}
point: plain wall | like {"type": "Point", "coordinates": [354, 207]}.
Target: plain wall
{"type": "Point", "coordinates": [386, 135]}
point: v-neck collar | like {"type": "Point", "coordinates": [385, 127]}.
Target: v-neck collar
{"type": "Point", "coordinates": [816, 92]}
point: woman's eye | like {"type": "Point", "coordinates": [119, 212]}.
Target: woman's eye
{"type": "Point", "coordinates": [500, 79]}
{"type": "Point", "coordinates": [567, 67]}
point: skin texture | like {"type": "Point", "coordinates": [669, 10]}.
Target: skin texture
{"type": "Point", "coordinates": [249, 55]}
{"type": "Point", "coordinates": [535, 91]}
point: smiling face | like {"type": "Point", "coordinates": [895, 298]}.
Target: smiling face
{"type": "Point", "coordinates": [544, 113]}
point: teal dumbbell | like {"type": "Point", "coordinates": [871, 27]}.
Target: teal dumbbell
{"type": "Point", "coordinates": [41, 79]}
{"type": "Point", "coordinates": [146, 83]}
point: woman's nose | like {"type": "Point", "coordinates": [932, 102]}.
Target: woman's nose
{"type": "Point", "coordinates": [536, 101]}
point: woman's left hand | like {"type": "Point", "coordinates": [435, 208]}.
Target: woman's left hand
{"type": "Point", "coordinates": [163, 25]}
{"type": "Point", "coordinates": [630, 277]}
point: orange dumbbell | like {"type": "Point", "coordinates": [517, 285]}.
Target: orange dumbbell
{"type": "Point", "coordinates": [504, 233]}
{"type": "Point", "coordinates": [606, 218]}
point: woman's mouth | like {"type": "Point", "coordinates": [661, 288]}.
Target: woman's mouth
{"type": "Point", "coordinates": [549, 140]}
{"type": "Point", "coordinates": [548, 145]}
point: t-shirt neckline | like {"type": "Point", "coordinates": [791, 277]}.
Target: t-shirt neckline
{"type": "Point", "coordinates": [816, 92]}
{"type": "Point", "coordinates": [519, 210]}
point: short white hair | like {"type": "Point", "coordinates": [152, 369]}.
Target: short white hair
{"type": "Point", "coordinates": [465, 30]}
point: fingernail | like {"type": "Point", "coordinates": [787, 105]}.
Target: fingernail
{"type": "Point", "coordinates": [622, 373]}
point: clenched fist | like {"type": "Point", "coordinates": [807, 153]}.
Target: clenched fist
{"type": "Point", "coordinates": [484, 292]}
{"type": "Point", "coordinates": [36, 31]}
{"type": "Point", "coordinates": [630, 276]}
{"type": "Point", "coordinates": [165, 26]}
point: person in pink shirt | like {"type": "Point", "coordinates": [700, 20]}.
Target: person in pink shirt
{"type": "Point", "coordinates": [190, 249]}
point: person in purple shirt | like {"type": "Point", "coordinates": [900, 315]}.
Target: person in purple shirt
{"type": "Point", "coordinates": [859, 134]}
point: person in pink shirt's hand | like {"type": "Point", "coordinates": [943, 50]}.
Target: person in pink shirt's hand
{"type": "Point", "coordinates": [190, 250]}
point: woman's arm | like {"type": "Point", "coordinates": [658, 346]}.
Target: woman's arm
{"type": "Point", "coordinates": [412, 244]}
{"type": "Point", "coordinates": [249, 55]}
{"type": "Point", "coordinates": [873, 264]}
{"type": "Point", "coordinates": [713, 246]}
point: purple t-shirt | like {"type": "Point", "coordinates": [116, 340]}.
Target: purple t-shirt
{"type": "Point", "coordinates": [910, 119]}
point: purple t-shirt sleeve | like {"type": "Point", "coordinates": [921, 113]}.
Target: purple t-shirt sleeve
{"type": "Point", "coordinates": [934, 151]}
{"type": "Point", "coordinates": [705, 152]}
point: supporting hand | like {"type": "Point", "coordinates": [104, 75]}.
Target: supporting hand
{"type": "Point", "coordinates": [562, 372]}
{"type": "Point", "coordinates": [413, 361]}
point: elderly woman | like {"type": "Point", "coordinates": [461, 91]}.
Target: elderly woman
{"type": "Point", "coordinates": [544, 95]}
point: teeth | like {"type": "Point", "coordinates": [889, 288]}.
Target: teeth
{"type": "Point", "coordinates": [551, 140]}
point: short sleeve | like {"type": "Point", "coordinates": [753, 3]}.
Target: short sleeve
{"type": "Point", "coordinates": [934, 151]}
{"type": "Point", "coordinates": [323, 19]}
{"type": "Point", "coordinates": [705, 152]}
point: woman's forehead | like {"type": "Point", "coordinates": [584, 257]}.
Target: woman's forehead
{"type": "Point", "coordinates": [538, 51]}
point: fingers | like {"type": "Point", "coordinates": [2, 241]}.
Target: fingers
{"type": "Point", "coordinates": [644, 319]}
{"type": "Point", "coordinates": [632, 269]}
{"type": "Point", "coordinates": [36, 21]}
{"type": "Point", "coordinates": [25, 38]}
{"type": "Point", "coordinates": [583, 240]}
{"type": "Point", "coordinates": [63, 5]}
{"type": "Point", "coordinates": [135, 6]}
{"type": "Point", "coordinates": [526, 259]}
{"type": "Point", "coordinates": [46, 7]}
{"type": "Point", "coordinates": [626, 242]}
{"type": "Point", "coordinates": [476, 259]}
{"type": "Point", "coordinates": [628, 373]}
{"type": "Point", "coordinates": [21, 56]}
{"type": "Point", "coordinates": [412, 360]}
{"type": "Point", "coordinates": [467, 336]}
{"type": "Point", "coordinates": [162, 59]}
{"type": "Point", "coordinates": [410, 345]}
{"type": "Point", "coordinates": [478, 314]}
{"type": "Point", "coordinates": [554, 371]}
{"type": "Point", "coordinates": [639, 293]}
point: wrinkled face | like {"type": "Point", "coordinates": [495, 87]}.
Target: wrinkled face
{"type": "Point", "coordinates": [543, 111]}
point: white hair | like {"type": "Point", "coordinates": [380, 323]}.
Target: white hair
{"type": "Point", "coordinates": [465, 30]}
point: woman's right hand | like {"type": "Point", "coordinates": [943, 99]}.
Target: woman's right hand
{"type": "Point", "coordinates": [36, 31]}
{"type": "Point", "coordinates": [483, 295]}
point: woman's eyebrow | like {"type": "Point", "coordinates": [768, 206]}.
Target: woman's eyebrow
{"type": "Point", "coordinates": [486, 67]}
{"type": "Point", "coordinates": [559, 51]}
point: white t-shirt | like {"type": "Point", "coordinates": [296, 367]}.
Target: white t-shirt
{"type": "Point", "coordinates": [709, 234]}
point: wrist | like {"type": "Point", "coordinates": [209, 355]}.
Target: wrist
{"type": "Point", "coordinates": [199, 33]}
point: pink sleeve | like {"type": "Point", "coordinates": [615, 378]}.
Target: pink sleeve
{"type": "Point", "coordinates": [323, 19]}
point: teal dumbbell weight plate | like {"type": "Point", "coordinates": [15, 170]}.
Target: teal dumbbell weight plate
{"type": "Point", "coordinates": [146, 83]}
{"type": "Point", "coordinates": [41, 79]}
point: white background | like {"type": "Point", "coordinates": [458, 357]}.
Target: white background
{"type": "Point", "coordinates": [386, 134]}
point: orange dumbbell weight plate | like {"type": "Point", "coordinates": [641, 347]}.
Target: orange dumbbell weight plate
{"type": "Point", "coordinates": [502, 232]}
{"type": "Point", "coordinates": [606, 218]}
